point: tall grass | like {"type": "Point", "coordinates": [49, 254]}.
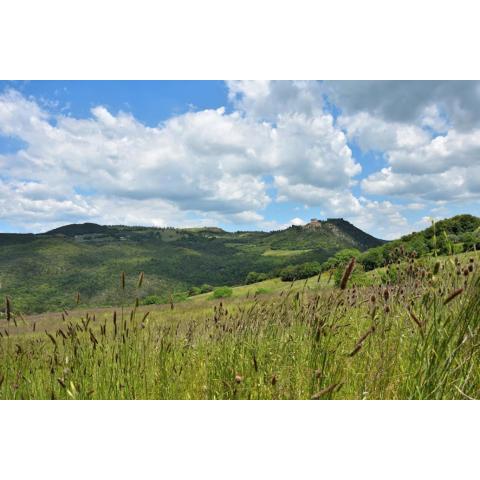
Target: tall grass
{"type": "Point", "coordinates": [414, 337]}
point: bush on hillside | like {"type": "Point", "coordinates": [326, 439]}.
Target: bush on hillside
{"type": "Point", "coordinates": [192, 291]}
{"type": "Point", "coordinates": [205, 288]}
{"type": "Point", "coordinates": [152, 300]}
{"type": "Point", "coordinates": [254, 277]}
{"type": "Point", "coordinates": [340, 259]}
{"type": "Point", "coordinates": [297, 272]}
{"type": "Point", "coordinates": [222, 292]}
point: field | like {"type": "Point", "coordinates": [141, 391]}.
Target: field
{"type": "Point", "coordinates": [412, 332]}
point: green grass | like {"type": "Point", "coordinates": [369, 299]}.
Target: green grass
{"type": "Point", "coordinates": [283, 253]}
{"type": "Point", "coordinates": [302, 340]}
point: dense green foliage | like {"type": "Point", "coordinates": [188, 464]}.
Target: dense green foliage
{"type": "Point", "coordinates": [297, 272]}
{"type": "Point", "coordinates": [222, 292]}
{"type": "Point", "coordinates": [454, 235]}
{"type": "Point", "coordinates": [45, 272]}
{"type": "Point", "coordinates": [255, 277]}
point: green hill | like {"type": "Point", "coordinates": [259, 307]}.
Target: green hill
{"type": "Point", "coordinates": [451, 236]}
{"type": "Point", "coordinates": [44, 272]}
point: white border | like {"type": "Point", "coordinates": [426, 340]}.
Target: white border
{"type": "Point", "coordinates": [222, 39]}
{"type": "Point", "coordinates": [225, 39]}
{"type": "Point", "coordinates": [239, 440]}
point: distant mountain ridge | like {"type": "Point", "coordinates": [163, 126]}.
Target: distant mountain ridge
{"type": "Point", "coordinates": [44, 271]}
{"type": "Point", "coordinates": [78, 229]}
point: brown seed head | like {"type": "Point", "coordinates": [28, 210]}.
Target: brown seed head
{"type": "Point", "coordinates": [347, 273]}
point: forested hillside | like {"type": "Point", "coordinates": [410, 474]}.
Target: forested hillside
{"type": "Point", "coordinates": [45, 272]}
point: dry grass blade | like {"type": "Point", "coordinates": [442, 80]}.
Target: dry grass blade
{"type": "Point", "coordinates": [326, 391]}
{"type": "Point", "coordinates": [362, 339]}
{"type": "Point", "coordinates": [140, 280]}
{"type": "Point", "coordinates": [416, 320]}
{"type": "Point", "coordinates": [453, 295]}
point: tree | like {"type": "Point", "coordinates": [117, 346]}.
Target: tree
{"type": "Point", "coordinates": [254, 277]}
{"type": "Point", "coordinates": [297, 272]}
{"type": "Point", "coordinates": [222, 292]}
{"type": "Point", "coordinates": [372, 258]}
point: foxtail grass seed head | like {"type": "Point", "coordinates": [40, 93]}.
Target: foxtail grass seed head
{"type": "Point", "coordinates": [122, 280]}
{"type": "Point", "coordinates": [347, 273]}
{"type": "Point", "coordinates": [453, 295]}
{"type": "Point", "coordinates": [8, 309]}
{"type": "Point", "coordinates": [77, 298]}
{"type": "Point", "coordinates": [140, 280]}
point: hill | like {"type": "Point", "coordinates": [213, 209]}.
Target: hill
{"type": "Point", "coordinates": [450, 236]}
{"type": "Point", "coordinates": [78, 229]}
{"type": "Point", "coordinates": [415, 337]}
{"type": "Point", "coordinates": [44, 272]}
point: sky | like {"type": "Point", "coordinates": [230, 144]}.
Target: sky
{"type": "Point", "coordinates": [387, 156]}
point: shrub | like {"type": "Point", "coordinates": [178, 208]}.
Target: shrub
{"type": "Point", "coordinates": [205, 288]}
{"type": "Point", "coordinates": [297, 272]}
{"type": "Point", "coordinates": [179, 297]}
{"type": "Point", "coordinates": [254, 277]}
{"type": "Point", "coordinates": [340, 259]}
{"type": "Point", "coordinates": [372, 258]}
{"type": "Point", "coordinates": [192, 291]}
{"type": "Point", "coordinates": [222, 292]}
{"type": "Point", "coordinates": [152, 300]}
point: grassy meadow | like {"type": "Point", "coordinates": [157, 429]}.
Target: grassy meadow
{"type": "Point", "coordinates": [411, 332]}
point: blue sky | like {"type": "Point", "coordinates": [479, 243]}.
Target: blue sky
{"type": "Point", "coordinates": [241, 155]}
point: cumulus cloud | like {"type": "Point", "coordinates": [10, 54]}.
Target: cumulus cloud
{"type": "Point", "coordinates": [374, 133]}
{"type": "Point", "coordinates": [427, 132]}
{"type": "Point", "coordinates": [297, 221]}
{"type": "Point", "coordinates": [382, 218]}
{"type": "Point", "coordinates": [208, 162]}
{"type": "Point", "coordinates": [447, 167]}
{"type": "Point", "coordinates": [410, 101]}
{"type": "Point", "coordinates": [279, 143]}
{"type": "Point", "coordinates": [267, 99]}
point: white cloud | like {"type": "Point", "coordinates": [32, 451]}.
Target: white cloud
{"type": "Point", "coordinates": [373, 133]}
{"type": "Point", "coordinates": [279, 144]}
{"type": "Point", "coordinates": [297, 221]}
{"type": "Point", "coordinates": [267, 99]}
{"type": "Point", "coordinates": [422, 164]}
{"type": "Point", "coordinates": [410, 101]}
{"type": "Point", "coordinates": [381, 218]}
{"type": "Point", "coordinates": [208, 162]}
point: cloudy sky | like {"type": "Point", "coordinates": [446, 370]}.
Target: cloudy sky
{"type": "Point", "coordinates": [387, 156]}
